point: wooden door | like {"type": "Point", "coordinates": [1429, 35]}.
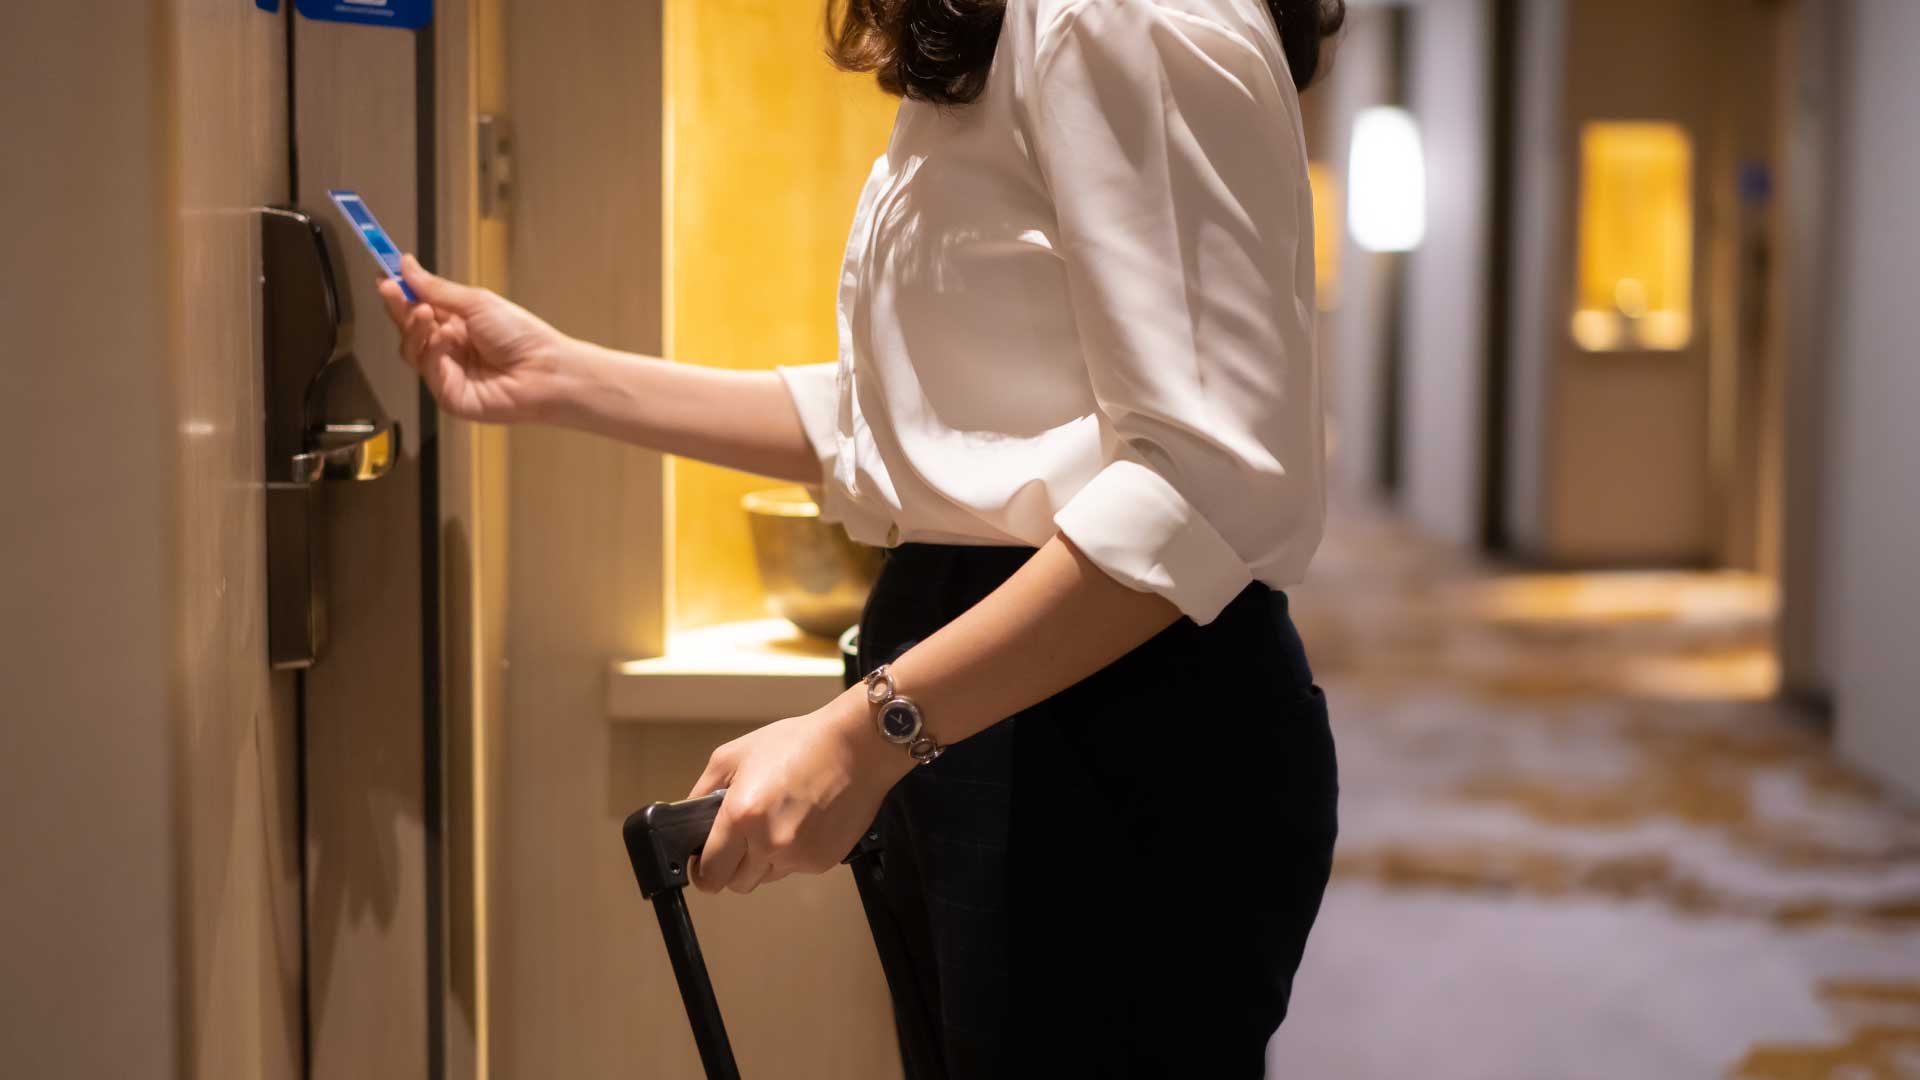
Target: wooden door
{"type": "Point", "coordinates": [240, 959]}
{"type": "Point", "coordinates": [372, 758]}
{"type": "Point", "coordinates": [220, 870]}
{"type": "Point", "coordinates": [151, 915]}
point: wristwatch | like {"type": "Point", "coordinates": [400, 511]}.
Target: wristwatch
{"type": "Point", "coordinates": [899, 718]}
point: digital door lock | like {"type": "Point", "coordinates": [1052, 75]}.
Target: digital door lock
{"type": "Point", "coordinates": [301, 318]}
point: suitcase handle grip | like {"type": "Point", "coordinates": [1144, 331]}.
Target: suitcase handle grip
{"type": "Point", "coordinates": [663, 837]}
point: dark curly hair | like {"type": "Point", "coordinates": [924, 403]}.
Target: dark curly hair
{"type": "Point", "coordinates": [939, 50]}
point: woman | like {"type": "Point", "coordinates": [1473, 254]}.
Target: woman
{"type": "Point", "coordinates": [1076, 399]}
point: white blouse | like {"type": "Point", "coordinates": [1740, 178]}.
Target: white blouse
{"type": "Point", "coordinates": [1084, 303]}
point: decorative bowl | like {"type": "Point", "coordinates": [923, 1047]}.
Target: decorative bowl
{"type": "Point", "coordinates": [813, 574]}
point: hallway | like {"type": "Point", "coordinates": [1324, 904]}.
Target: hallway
{"type": "Point", "coordinates": [1579, 839]}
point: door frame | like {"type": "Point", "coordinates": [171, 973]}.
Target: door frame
{"type": "Point", "coordinates": [463, 516]}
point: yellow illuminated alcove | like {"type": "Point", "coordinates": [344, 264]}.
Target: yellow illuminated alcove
{"type": "Point", "coordinates": [767, 146]}
{"type": "Point", "coordinates": [1327, 216]}
{"type": "Point", "coordinates": [1635, 288]}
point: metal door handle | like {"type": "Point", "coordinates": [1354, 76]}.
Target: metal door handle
{"type": "Point", "coordinates": [357, 451]}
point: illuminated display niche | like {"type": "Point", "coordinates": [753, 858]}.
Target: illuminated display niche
{"type": "Point", "coordinates": [1635, 272]}
{"type": "Point", "coordinates": [767, 148]}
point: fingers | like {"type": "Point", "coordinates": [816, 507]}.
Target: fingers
{"type": "Point", "coordinates": [739, 853]}
{"type": "Point", "coordinates": [719, 771]}
{"type": "Point", "coordinates": [726, 845]}
{"type": "Point", "coordinates": [438, 291]}
{"type": "Point", "coordinates": [719, 862]}
{"type": "Point", "coordinates": [417, 331]}
{"type": "Point", "coordinates": [441, 372]}
{"type": "Point", "coordinates": [394, 299]}
{"type": "Point", "coordinates": [753, 872]}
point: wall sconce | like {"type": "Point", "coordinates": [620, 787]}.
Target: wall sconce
{"type": "Point", "coordinates": [1387, 181]}
{"type": "Point", "coordinates": [1326, 246]}
{"type": "Point", "coordinates": [1635, 287]}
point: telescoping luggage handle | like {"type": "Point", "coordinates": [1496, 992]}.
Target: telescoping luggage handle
{"type": "Point", "coordinates": [661, 841]}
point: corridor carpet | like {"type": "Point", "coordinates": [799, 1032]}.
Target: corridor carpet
{"type": "Point", "coordinates": [1580, 838]}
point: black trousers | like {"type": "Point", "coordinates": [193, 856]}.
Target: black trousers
{"type": "Point", "coordinates": [1119, 881]}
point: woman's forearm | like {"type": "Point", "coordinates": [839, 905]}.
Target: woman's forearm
{"type": "Point", "coordinates": [1057, 620]}
{"type": "Point", "coordinates": [739, 419]}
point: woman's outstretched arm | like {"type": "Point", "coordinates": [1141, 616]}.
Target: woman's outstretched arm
{"type": "Point", "coordinates": [803, 789]}
{"type": "Point", "coordinates": [487, 359]}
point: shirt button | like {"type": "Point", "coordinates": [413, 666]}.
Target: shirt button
{"type": "Point", "coordinates": [893, 534]}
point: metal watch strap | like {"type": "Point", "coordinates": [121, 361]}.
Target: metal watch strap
{"type": "Point", "coordinates": [899, 717]}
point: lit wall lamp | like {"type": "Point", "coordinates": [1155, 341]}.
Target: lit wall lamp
{"type": "Point", "coordinates": [1636, 238]}
{"type": "Point", "coordinates": [1386, 181]}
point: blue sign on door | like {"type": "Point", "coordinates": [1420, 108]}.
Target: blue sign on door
{"type": "Point", "coordinates": [409, 14]}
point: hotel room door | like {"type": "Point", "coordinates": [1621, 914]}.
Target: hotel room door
{"type": "Point", "coordinates": [220, 867]}
{"type": "Point", "coordinates": [370, 757]}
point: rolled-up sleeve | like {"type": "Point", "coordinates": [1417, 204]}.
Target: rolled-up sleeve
{"type": "Point", "coordinates": [1170, 146]}
{"type": "Point", "coordinates": [816, 396]}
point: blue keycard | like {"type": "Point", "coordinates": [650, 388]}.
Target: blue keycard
{"type": "Point", "coordinates": [354, 209]}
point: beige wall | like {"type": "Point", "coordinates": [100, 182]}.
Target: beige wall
{"type": "Point", "coordinates": [1869, 517]}
{"type": "Point", "coordinates": [585, 578]}
{"type": "Point", "coordinates": [579, 984]}
{"type": "Point", "coordinates": [1541, 267]}
{"type": "Point", "coordinates": [1450, 83]}
{"type": "Point", "coordinates": [1443, 302]}
{"type": "Point", "coordinates": [1813, 61]}
{"type": "Point", "coordinates": [1352, 335]}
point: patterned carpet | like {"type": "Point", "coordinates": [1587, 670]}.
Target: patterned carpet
{"type": "Point", "coordinates": [1579, 839]}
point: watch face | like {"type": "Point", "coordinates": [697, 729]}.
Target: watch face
{"type": "Point", "coordinates": [900, 720]}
